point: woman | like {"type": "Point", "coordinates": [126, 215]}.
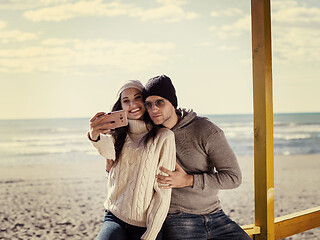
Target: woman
{"type": "Point", "coordinates": [136, 207]}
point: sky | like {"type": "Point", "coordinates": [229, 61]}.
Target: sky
{"type": "Point", "coordinates": [68, 58]}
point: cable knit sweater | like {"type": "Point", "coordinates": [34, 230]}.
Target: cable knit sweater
{"type": "Point", "coordinates": [134, 195]}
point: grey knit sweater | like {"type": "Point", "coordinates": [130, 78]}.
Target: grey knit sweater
{"type": "Point", "coordinates": [202, 150]}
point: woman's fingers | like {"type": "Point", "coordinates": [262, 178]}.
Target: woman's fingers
{"type": "Point", "coordinates": [104, 126]}
{"type": "Point", "coordinates": [96, 116]}
{"type": "Point", "coordinates": [101, 128]}
{"type": "Point", "coordinates": [106, 131]}
{"type": "Point", "coordinates": [99, 120]}
{"type": "Point", "coordinates": [100, 125]}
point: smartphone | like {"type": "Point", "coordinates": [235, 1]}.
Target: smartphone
{"type": "Point", "coordinates": [117, 118]}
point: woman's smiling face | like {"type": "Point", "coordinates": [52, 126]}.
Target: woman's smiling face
{"type": "Point", "coordinates": [132, 103]}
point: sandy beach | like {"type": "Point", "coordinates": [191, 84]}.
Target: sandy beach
{"type": "Point", "coordinates": [65, 201]}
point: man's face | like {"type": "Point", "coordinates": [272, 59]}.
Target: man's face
{"type": "Point", "coordinates": [160, 110]}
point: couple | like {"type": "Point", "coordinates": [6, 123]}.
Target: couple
{"type": "Point", "coordinates": [165, 169]}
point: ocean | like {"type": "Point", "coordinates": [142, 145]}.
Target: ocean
{"type": "Point", "coordinates": [45, 141]}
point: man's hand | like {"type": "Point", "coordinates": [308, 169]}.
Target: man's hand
{"type": "Point", "coordinates": [176, 179]}
{"type": "Point", "coordinates": [109, 163]}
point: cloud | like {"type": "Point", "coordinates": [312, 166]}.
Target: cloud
{"type": "Point", "coordinates": [16, 35]}
{"type": "Point", "coordinates": [296, 44]}
{"type": "Point", "coordinates": [235, 29]}
{"type": "Point", "coordinates": [227, 48]}
{"type": "Point", "coordinates": [230, 12]}
{"type": "Point", "coordinates": [204, 44]}
{"type": "Point", "coordinates": [29, 4]}
{"type": "Point", "coordinates": [79, 9]}
{"type": "Point", "coordinates": [299, 15]}
{"type": "Point", "coordinates": [3, 24]}
{"type": "Point", "coordinates": [170, 11]}
{"type": "Point", "coordinates": [7, 36]}
{"type": "Point", "coordinates": [295, 30]}
{"type": "Point", "coordinates": [283, 4]}
{"type": "Point", "coordinates": [55, 42]}
{"type": "Point", "coordinates": [61, 55]}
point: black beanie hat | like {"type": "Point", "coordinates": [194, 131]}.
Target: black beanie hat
{"type": "Point", "coordinates": [161, 86]}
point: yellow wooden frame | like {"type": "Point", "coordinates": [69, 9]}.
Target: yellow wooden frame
{"type": "Point", "coordinates": [266, 227]}
{"type": "Point", "coordinates": [297, 222]}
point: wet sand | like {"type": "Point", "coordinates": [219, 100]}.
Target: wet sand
{"type": "Point", "coordinates": [65, 201]}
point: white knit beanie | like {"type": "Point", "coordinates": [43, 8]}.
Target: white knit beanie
{"type": "Point", "coordinates": [130, 84]}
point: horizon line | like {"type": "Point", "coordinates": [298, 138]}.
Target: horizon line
{"type": "Point", "coordinates": [201, 114]}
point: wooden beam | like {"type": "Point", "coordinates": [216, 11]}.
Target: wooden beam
{"type": "Point", "coordinates": [251, 230]}
{"type": "Point", "coordinates": [291, 224]}
{"type": "Point", "coordinates": [263, 118]}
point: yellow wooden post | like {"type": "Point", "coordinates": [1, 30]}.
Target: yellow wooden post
{"type": "Point", "coordinates": [263, 118]}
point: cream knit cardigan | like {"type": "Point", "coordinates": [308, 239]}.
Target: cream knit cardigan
{"type": "Point", "coordinates": [134, 195]}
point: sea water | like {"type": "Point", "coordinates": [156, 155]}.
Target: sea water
{"type": "Point", "coordinates": [43, 141]}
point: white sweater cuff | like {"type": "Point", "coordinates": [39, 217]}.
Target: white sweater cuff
{"type": "Point", "coordinates": [105, 146]}
{"type": "Point", "coordinates": [149, 235]}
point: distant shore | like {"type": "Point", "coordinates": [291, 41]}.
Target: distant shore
{"type": "Point", "coordinates": [65, 201]}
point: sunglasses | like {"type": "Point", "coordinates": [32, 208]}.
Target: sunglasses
{"type": "Point", "coordinates": [158, 103]}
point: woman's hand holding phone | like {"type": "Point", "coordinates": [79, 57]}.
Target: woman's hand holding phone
{"type": "Point", "coordinates": [103, 122]}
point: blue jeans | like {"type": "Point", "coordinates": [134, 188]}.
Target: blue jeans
{"type": "Point", "coordinates": [217, 226]}
{"type": "Point", "coordinates": [115, 229]}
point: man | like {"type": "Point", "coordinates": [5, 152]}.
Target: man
{"type": "Point", "coordinates": [206, 164]}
